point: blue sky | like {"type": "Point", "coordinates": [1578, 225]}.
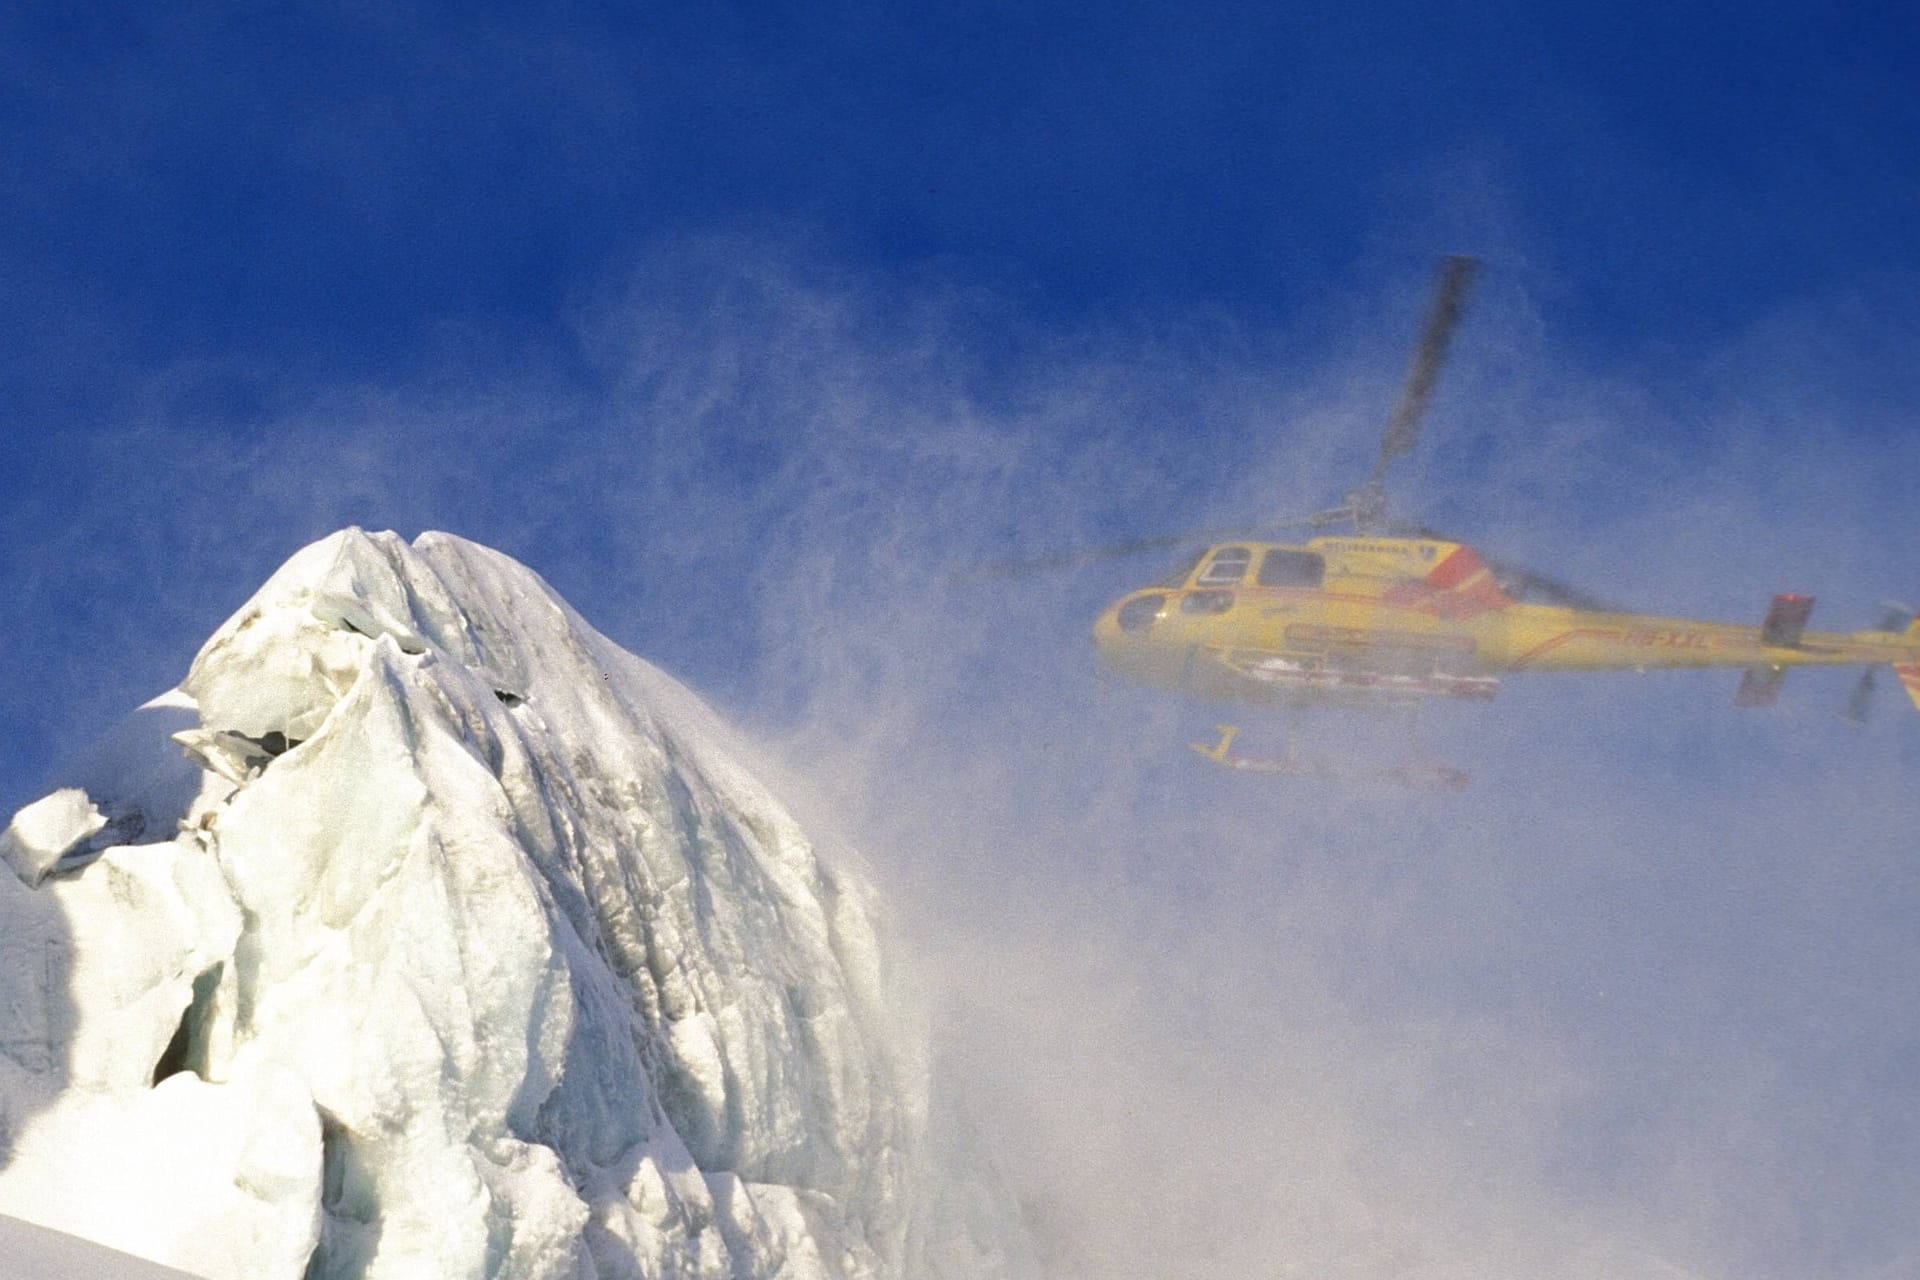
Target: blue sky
{"type": "Point", "coordinates": [331, 186]}
{"type": "Point", "coordinates": [740, 324]}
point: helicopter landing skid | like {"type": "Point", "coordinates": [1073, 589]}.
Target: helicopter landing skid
{"type": "Point", "coordinates": [1425, 776]}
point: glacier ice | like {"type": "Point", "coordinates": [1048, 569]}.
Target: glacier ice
{"type": "Point", "coordinates": [424, 932]}
{"type": "Point", "coordinates": [50, 829]}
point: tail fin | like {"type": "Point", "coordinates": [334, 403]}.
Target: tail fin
{"type": "Point", "coordinates": [1785, 623]}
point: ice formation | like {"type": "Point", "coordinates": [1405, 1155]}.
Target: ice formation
{"type": "Point", "coordinates": [423, 932]}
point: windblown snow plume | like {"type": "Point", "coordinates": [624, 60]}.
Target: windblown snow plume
{"type": "Point", "coordinates": [426, 933]}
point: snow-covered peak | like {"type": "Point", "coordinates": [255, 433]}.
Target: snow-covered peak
{"type": "Point", "coordinates": [463, 947]}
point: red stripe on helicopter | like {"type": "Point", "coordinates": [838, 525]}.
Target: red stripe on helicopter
{"type": "Point", "coordinates": [1909, 673]}
{"type": "Point", "coordinates": [1459, 567]}
{"type": "Point", "coordinates": [1460, 586]}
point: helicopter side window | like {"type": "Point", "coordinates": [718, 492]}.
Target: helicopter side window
{"type": "Point", "coordinates": [1292, 569]}
{"type": "Point", "coordinates": [1228, 566]}
{"type": "Point", "coordinates": [1205, 602]}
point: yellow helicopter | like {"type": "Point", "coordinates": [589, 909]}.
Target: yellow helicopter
{"type": "Point", "coordinates": [1395, 614]}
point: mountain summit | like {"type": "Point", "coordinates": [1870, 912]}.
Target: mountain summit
{"type": "Point", "coordinates": [424, 932]}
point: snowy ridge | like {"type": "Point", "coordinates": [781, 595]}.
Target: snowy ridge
{"type": "Point", "coordinates": [461, 947]}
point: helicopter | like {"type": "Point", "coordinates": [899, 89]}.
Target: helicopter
{"type": "Point", "coordinates": [1392, 614]}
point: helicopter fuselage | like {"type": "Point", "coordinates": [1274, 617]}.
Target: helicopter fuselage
{"type": "Point", "coordinates": [1381, 620]}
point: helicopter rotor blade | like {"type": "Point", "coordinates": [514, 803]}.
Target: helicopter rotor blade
{"type": "Point", "coordinates": [1451, 289]}
{"type": "Point", "coordinates": [1524, 584]}
{"type": "Point", "coordinates": [1365, 508]}
{"type": "Point", "coordinates": [1077, 556]}
{"type": "Point", "coordinates": [1860, 701]}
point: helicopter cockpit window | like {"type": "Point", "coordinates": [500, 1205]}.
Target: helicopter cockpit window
{"type": "Point", "coordinates": [1283, 568]}
{"type": "Point", "coordinates": [1139, 613]}
{"type": "Point", "coordinates": [1228, 566]}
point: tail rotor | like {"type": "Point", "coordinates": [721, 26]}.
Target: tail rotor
{"type": "Point", "coordinates": [1898, 618]}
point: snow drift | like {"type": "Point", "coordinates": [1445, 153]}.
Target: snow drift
{"type": "Point", "coordinates": [425, 932]}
